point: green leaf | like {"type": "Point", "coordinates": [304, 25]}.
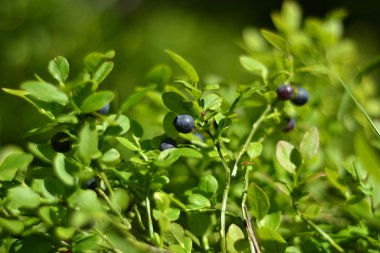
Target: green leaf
{"type": "Point", "coordinates": [211, 102]}
{"type": "Point", "coordinates": [253, 40]}
{"type": "Point", "coordinates": [272, 220]}
{"type": "Point", "coordinates": [258, 201]}
{"type": "Point", "coordinates": [160, 75]}
{"type": "Point", "coordinates": [127, 143]}
{"type": "Point", "coordinates": [45, 92]}
{"type": "Point", "coordinates": [178, 232]}
{"type": "Point", "coordinates": [59, 68]}
{"type": "Point", "coordinates": [312, 211]}
{"type": "Point", "coordinates": [86, 244]}
{"type": "Point", "coordinates": [208, 184]}
{"type": "Point", "coordinates": [267, 234]}
{"type": "Point", "coordinates": [119, 124]}
{"type": "Point", "coordinates": [93, 60]}
{"type": "Point", "coordinates": [283, 152]}
{"type": "Point", "coordinates": [60, 170]}
{"type": "Point", "coordinates": [136, 97]}
{"type": "Point", "coordinates": [13, 163]}
{"type": "Point", "coordinates": [369, 157]}
{"type": "Point", "coordinates": [88, 143]}
{"type": "Point", "coordinates": [35, 243]}
{"type": "Point", "coordinates": [197, 201]}
{"type": "Point", "coordinates": [254, 66]}
{"type": "Point", "coordinates": [14, 227]}
{"type": "Point", "coordinates": [111, 156]}
{"type": "Point", "coordinates": [290, 18]}
{"type": "Point", "coordinates": [168, 124]}
{"type": "Point", "coordinates": [188, 152]}
{"type": "Point", "coordinates": [254, 149]}
{"type": "Point", "coordinates": [64, 233]}
{"type": "Point", "coordinates": [276, 41]}
{"type": "Point", "coordinates": [359, 105]}
{"type": "Point", "coordinates": [186, 66]}
{"type": "Point", "coordinates": [175, 102]}
{"type": "Point", "coordinates": [310, 144]}
{"type": "Point", "coordinates": [103, 71]}
{"type": "Point", "coordinates": [162, 201]}
{"type": "Point", "coordinates": [22, 196]}
{"type": "Point", "coordinates": [120, 199]}
{"type": "Point", "coordinates": [173, 214]}
{"type": "Point", "coordinates": [234, 234]}
{"type": "Point", "coordinates": [97, 101]}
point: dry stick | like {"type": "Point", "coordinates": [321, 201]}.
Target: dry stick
{"type": "Point", "coordinates": [254, 127]}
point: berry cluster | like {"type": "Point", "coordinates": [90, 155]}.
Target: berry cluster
{"type": "Point", "coordinates": [184, 124]}
{"type": "Point", "coordinates": [297, 95]}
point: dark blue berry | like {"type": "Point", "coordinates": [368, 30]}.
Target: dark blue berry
{"type": "Point", "coordinates": [168, 143]}
{"type": "Point", "coordinates": [61, 142]}
{"type": "Point", "coordinates": [184, 123]}
{"type": "Point", "coordinates": [290, 124]}
{"type": "Point", "coordinates": [104, 109]}
{"type": "Point", "coordinates": [301, 96]}
{"type": "Point", "coordinates": [92, 184]}
{"type": "Point", "coordinates": [285, 92]}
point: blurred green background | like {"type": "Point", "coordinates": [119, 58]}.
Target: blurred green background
{"type": "Point", "coordinates": [206, 32]}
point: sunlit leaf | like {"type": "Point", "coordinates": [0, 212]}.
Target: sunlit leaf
{"type": "Point", "coordinates": [258, 201]}
{"type": "Point", "coordinates": [185, 65]}
{"type": "Point", "coordinates": [59, 68]}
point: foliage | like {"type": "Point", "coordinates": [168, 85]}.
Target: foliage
{"type": "Point", "coordinates": [237, 183]}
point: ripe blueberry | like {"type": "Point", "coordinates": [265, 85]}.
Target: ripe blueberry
{"type": "Point", "coordinates": [92, 184]}
{"type": "Point", "coordinates": [168, 143]}
{"type": "Point", "coordinates": [290, 124]}
{"type": "Point", "coordinates": [285, 92]}
{"type": "Point", "coordinates": [184, 123]}
{"type": "Point", "coordinates": [301, 96]}
{"type": "Point", "coordinates": [61, 142]}
{"type": "Point", "coordinates": [104, 109]}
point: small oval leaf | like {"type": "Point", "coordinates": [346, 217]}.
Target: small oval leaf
{"type": "Point", "coordinates": [59, 68]}
{"type": "Point", "coordinates": [97, 101]}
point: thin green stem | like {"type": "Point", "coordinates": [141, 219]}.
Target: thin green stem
{"type": "Point", "coordinates": [323, 234]}
{"type": "Point", "coordinates": [254, 128]}
{"type": "Point", "coordinates": [317, 228]}
{"type": "Point", "coordinates": [225, 193]}
{"type": "Point", "coordinates": [104, 177]}
{"type": "Point", "coordinates": [224, 200]}
{"type": "Point", "coordinates": [150, 222]}
{"type": "Point", "coordinates": [253, 245]}
{"type": "Point", "coordinates": [105, 238]}
{"type": "Point", "coordinates": [125, 222]}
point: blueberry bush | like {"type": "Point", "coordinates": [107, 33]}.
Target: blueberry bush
{"type": "Point", "coordinates": [287, 162]}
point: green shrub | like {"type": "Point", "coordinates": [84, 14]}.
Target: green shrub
{"type": "Point", "coordinates": [95, 180]}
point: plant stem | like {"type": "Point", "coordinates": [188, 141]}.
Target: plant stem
{"type": "Point", "coordinates": [317, 228]}
{"type": "Point", "coordinates": [323, 234]}
{"type": "Point", "coordinates": [105, 238]}
{"type": "Point", "coordinates": [125, 222]}
{"type": "Point", "coordinates": [253, 245]}
{"type": "Point", "coordinates": [254, 127]}
{"type": "Point", "coordinates": [224, 200]}
{"type": "Point", "coordinates": [150, 222]}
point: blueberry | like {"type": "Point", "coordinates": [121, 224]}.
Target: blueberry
{"type": "Point", "coordinates": [61, 142]}
{"type": "Point", "coordinates": [290, 124]}
{"type": "Point", "coordinates": [92, 184]}
{"type": "Point", "coordinates": [104, 109]}
{"type": "Point", "coordinates": [301, 96]}
{"type": "Point", "coordinates": [168, 143]}
{"type": "Point", "coordinates": [285, 92]}
{"type": "Point", "coordinates": [184, 123]}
